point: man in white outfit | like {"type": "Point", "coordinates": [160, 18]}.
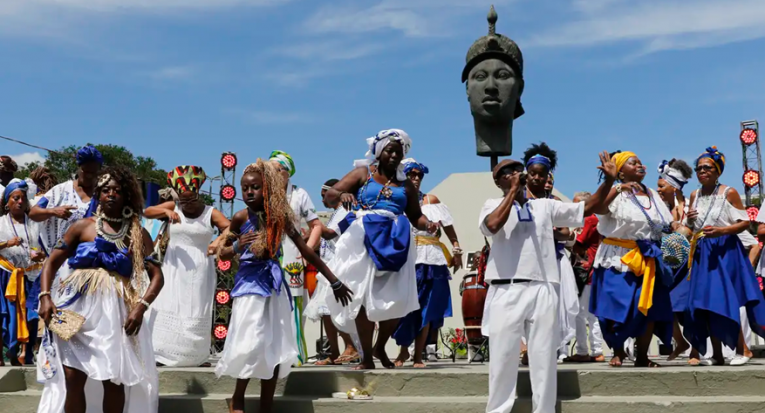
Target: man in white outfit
{"type": "Point", "coordinates": [523, 272]}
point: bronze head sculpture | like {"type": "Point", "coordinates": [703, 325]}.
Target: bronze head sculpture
{"type": "Point", "coordinates": [494, 75]}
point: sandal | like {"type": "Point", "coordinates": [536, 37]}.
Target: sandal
{"type": "Point", "coordinates": [348, 358]}
{"type": "Point", "coordinates": [327, 362]}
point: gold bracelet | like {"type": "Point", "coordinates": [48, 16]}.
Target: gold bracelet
{"type": "Point", "coordinates": [43, 294]}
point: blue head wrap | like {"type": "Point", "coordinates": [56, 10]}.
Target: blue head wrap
{"type": "Point", "coordinates": [16, 184]}
{"type": "Point", "coordinates": [89, 154]}
{"type": "Point", "coordinates": [541, 160]}
{"type": "Point", "coordinates": [716, 156]}
{"type": "Point", "coordinates": [410, 164]}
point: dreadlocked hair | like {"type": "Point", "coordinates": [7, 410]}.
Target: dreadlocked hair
{"type": "Point", "coordinates": [43, 178]}
{"type": "Point", "coordinates": [541, 149]}
{"type": "Point", "coordinates": [277, 213]}
{"type": "Point", "coordinates": [133, 198]}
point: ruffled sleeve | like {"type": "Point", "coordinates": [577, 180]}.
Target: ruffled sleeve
{"type": "Point", "coordinates": [438, 213]}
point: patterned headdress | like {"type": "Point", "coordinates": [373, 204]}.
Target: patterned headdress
{"type": "Point", "coordinates": [411, 164]}
{"type": "Point", "coordinates": [378, 142]}
{"type": "Point", "coordinates": [285, 160]}
{"type": "Point", "coordinates": [89, 154]}
{"type": "Point", "coordinates": [186, 178]}
{"type": "Point", "coordinates": [672, 176]}
{"type": "Point", "coordinates": [27, 186]}
{"type": "Point", "coordinates": [716, 156]}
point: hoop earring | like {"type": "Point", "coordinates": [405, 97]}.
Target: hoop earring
{"type": "Point", "coordinates": [127, 212]}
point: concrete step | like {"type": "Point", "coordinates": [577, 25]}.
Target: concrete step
{"type": "Point", "coordinates": [26, 402]}
{"type": "Point", "coordinates": [455, 380]}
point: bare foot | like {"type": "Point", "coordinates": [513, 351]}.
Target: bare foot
{"type": "Point", "coordinates": [419, 365]}
{"type": "Point", "coordinates": [236, 406]}
{"type": "Point", "coordinates": [365, 366]}
{"type": "Point", "coordinates": [402, 358]}
{"type": "Point", "coordinates": [616, 361]}
{"type": "Point", "coordinates": [599, 359]}
{"type": "Point", "coordinates": [384, 360]}
{"type": "Point", "coordinates": [679, 349]}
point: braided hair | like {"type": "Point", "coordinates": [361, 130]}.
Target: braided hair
{"type": "Point", "coordinates": [277, 213]}
{"type": "Point", "coordinates": [43, 178]}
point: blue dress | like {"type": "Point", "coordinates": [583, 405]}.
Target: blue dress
{"type": "Point", "coordinates": [434, 293]}
{"type": "Point", "coordinates": [722, 280]}
{"type": "Point", "coordinates": [374, 258]}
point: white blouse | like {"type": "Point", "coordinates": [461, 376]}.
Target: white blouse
{"type": "Point", "coordinates": [625, 220]}
{"type": "Point", "coordinates": [721, 213]}
{"type": "Point", "coordinates": [432, 254]}
{"type": "Point", "coordinates": [21, 255]}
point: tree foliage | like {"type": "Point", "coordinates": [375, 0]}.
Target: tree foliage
{"type": "Point", "coordinates": [63, 165]}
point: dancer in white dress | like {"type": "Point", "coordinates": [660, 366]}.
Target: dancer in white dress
{"type": "Point", "coordinates": [181, 319]}
{"type": "Point", "coordinates": [317, 309]}
{"type": "Point", "coordinates": [260, 343]}
{"type": "Point", "coordinates": [113, 346]}
{"type": "Point", "coordinates": [376, 254]}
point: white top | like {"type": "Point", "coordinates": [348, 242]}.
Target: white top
{"type": "Point", "coordinates": [301, 205]}
{"type": "Point", "coordinates": [625, 220]}
{"type": "Point", "coordinates": [524, 248]}
{"type": "Point", "coordinates": [328, 246]}
{"type": "Point", "coordinates": [721, 214]}
{"type": "Point", "coordinates": [54, 229]}
{"type": "Point", "coordinates": [432, 254]}
{"type": "Point", "coordinates": [21, 255]}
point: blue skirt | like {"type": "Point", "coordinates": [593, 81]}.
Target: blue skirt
{"type": "Point", "coordinates": [435, 304]}
{"type": "Point", "coordinates": [722, 281]}
{"type": "Point", "coordinates": [7, 313]}
{"type": "Point", "coordinates": [679, 293]}
{"type": "Point", "coordinates": [614, 300]}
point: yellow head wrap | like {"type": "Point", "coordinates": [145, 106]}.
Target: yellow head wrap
{"type": "Point", "coordinates": [621, 158]}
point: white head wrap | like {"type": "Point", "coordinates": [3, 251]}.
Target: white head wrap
{"type": "Point", "coordinates": [673, 176]}
{"type": "Point", "coordinates": [379, 142]}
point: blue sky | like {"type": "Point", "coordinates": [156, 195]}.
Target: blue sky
{"type": "Point", "coordinates": [184, 80]}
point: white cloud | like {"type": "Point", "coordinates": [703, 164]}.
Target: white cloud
{"type": "Point", "coordinates": [413, 18]}
{"type": "Point", "coordinates": [659, 24]}
{"type": "Point", "coordinates": [330, 50]}
{"type": "Point", "coordinates": [27, 157]}
{"type": "Point", "coordinates": [172, 73]}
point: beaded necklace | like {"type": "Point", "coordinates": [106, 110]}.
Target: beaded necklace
{"type": "Point", "coordinates": [117, 238]}
{"type": "Point", "coordinates": [27, 246]}
{"type": "Point", "coordinates": [656, 229]}
{"type": "Point", "coordinates": [385, 191]}
{"type": "Point", "coordinates": [698, 225]}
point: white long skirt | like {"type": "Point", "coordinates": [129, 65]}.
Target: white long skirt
{"type": "Point", "coordinates": [569, 301]}
{"type": "Point", "coordinates": [103, 351]}
{"type": "Point", "coordinates": [260, 338]}
{"type": "Point", "coordinates": [385, 295]}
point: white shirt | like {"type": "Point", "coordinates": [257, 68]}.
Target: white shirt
{"type": "Point", "coordinates": [524, 248]}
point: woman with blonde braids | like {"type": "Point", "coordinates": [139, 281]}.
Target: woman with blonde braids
{"type": "Point", "coordinates": [107, 253]}
{"type": "Point", "coordinates": [630, 283]}
{"type": "Point", "coordinates": [260, 343]}
{"type": "Point", "coordinates": [45, 181]}
{"type": "Point", "coordinates": [182, 317]}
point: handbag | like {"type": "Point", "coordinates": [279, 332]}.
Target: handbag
{"type": "Point", "coordinates": [65, 324]}
{"type": "Point", "coordinates": [675, 249]}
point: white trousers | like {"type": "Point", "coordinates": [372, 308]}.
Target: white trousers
{"type": "Point", "coordinates": [510, 311]}
{"type": "Point", "coordinates": [585, 335]}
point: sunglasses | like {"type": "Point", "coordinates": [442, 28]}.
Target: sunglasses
{"type": "Point", "coordinates": [705, 168]}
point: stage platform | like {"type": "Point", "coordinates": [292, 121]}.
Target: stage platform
{"type": "Point", "coordinates": [446, 387]}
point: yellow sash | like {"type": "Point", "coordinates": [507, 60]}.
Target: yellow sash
{"type": "Point", "coordinates": [426, 240]}
{"type": "Point", "coordinates": [15, 292]}
{"type": "Point", "coordinates": [694, 242]}
{"type": "Point", "coordinates": [640, 266]}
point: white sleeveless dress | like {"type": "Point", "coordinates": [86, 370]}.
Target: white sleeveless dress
{"type": "Point", "coordinates": [182, 314]}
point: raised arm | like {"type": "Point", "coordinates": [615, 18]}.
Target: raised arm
{"type": "Point", "coordinates": [163, 210]}
{"type": "Point", "coordinates": [343, 191]}
{"type": "Point", "coordinates": [40, 214]}
{"type": "Point", "coordinates": [599, 202]}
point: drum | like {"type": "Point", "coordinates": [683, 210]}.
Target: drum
{"type": "Point", "coordinates": [310, 279]}
{"type": "Point", "coordinates": [473, 299]}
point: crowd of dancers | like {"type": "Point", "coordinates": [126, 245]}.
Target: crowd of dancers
{"type": "Point", "coordinates": [122, 289]}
